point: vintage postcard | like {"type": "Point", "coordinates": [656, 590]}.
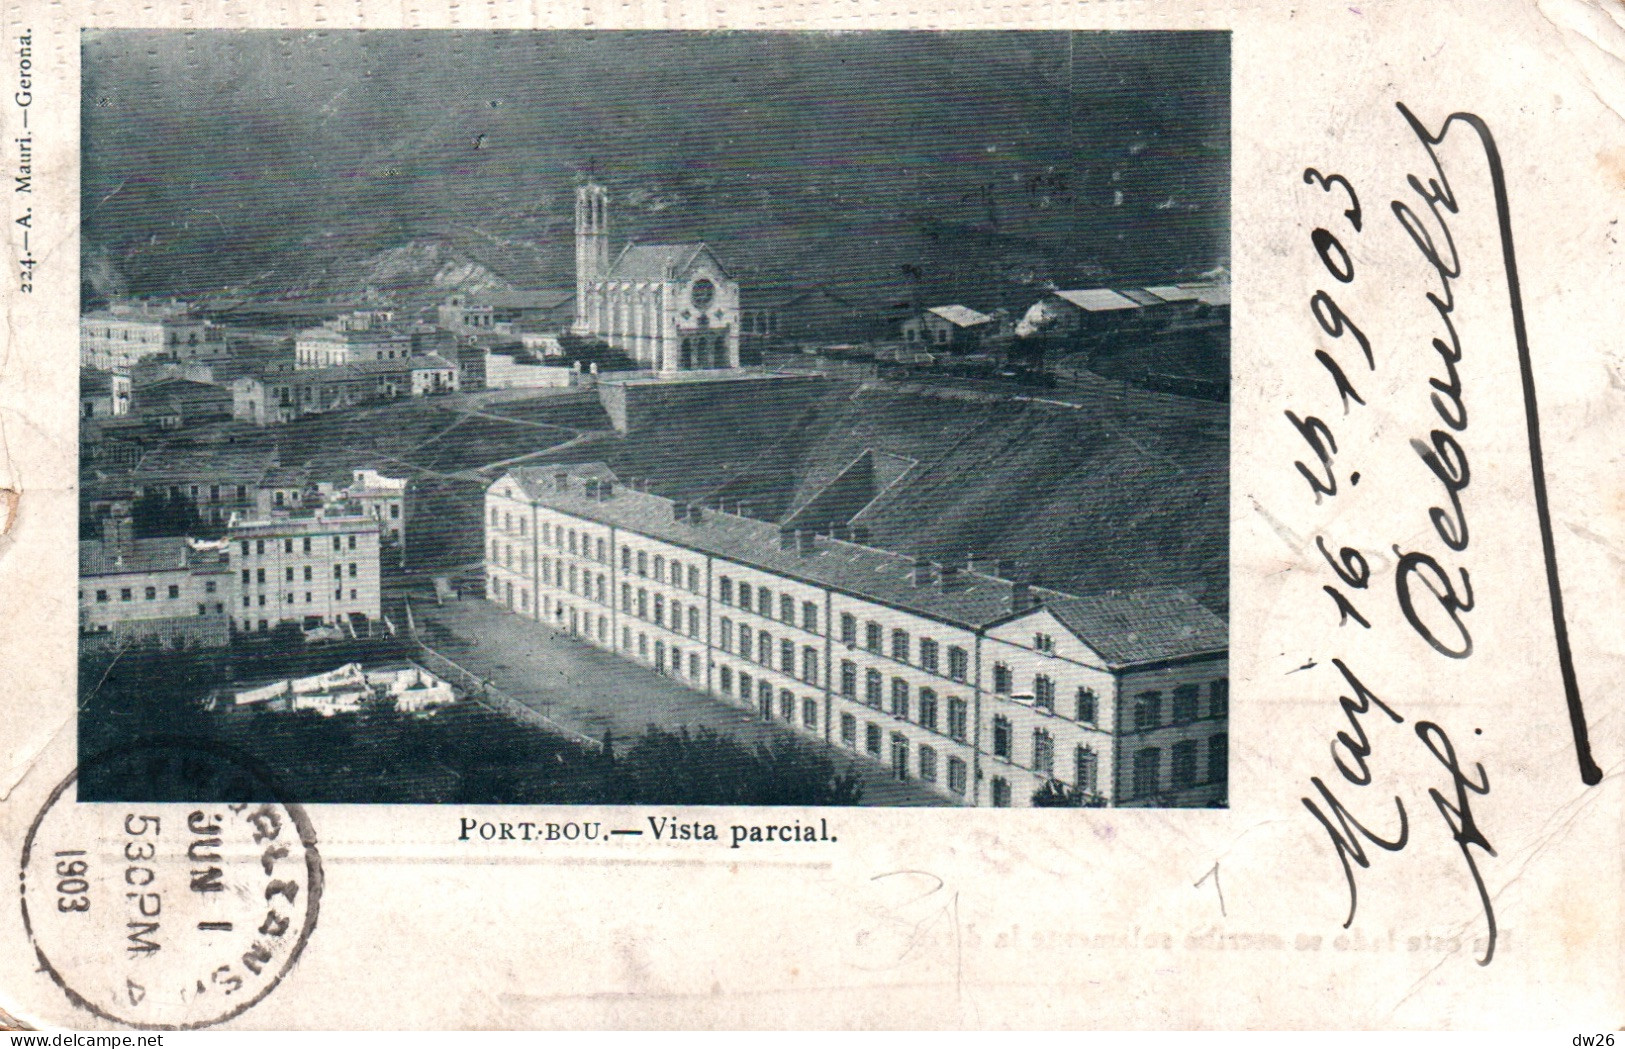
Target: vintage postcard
{"type": "Point", "coordinates": [613, 508]}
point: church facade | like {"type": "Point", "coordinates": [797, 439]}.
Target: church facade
{"type": "Point", "coordinates": [670, 307]}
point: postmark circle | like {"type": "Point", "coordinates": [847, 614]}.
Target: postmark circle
{"type": "Point", "coordinates": [170, 915]}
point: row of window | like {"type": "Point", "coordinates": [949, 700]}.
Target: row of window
{"type": "Point", "coordinates": [759, 599]}
{"type": "Point", "coordinates": [257, 575]}
{"type": "Point", "coordinates": [924, 712]}
{"type": "Point", "coordinates": [925, 759]}
{"type": "Point", "coordinates": [758, 645]}
{"type": "Point", "coordinates": [151, 593]}
{"type": "Point", "coordinates": [1148, 766]}
{"type": "Point", "coordinates": [671, 573]}
{"type": "Point", "coordinates": [256, 547]}
{"type": "Point", "coordinates": [1148, 706]}
{"type": "Point", "coordinates": [903, 649]}
{"type": "Point", "coordinates": [288, 598]}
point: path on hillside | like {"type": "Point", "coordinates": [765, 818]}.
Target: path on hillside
{"type": "Point", "coordinates": [592, 691]}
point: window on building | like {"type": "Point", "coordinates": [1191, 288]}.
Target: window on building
{"type": "Point", "coordinates": [1044, 692]}
{"type": "Point", "coordinates": [764, 648]}
{"type": "Point", "coordinates": [872, 688]}
{"type": "Point", "coordinates": [626, 598]}
{"type": "Point", "coordinates": [1043, 643]}
{"type": "Point", "coordinates": [849, 730]}
{"type": "Point", "coordinates": [307, 544]}
{"type": "Point", "coordinates": [872, 636]}
{"type": "Point", "coordinates": [958, 663]}
{"type": "Point", "coordinates": [1218, 758]}
{"type": "Point", "coordinates": [809, 617]}
{"type": "Point", "coordinates": [956, 775]}
{"type": "Point", "coordinates": [1147, 711]}
{"type": "Point", "coordinates": [1147, 772]}
{"type": "Point", "coordinates": [1043, 752]}
{"type": "Point", "coordinates": [660, 602]}
{"type": "Point", "coordinates": [643, 603]}
{"type": "Point", "coordinates": [1001, 792]}
{"type": "Point", "coordinates": [787, 656]}
{"type": "Point", "coordinates": [1184, 764]}
{"type": "Point", "coordinates": [764, 697]}
{"type": "Point", "coordinates": [626, 559]}
{"type": "Point", "coordinates": [643, 646]}
{"type": "Point", "coordinates": [744, 685]}
{"type": "Point", "coordinates": [352, 569]}
{"type": "Point", "coordinates": [1084, 768]}
{"type": "Point", "coordinates": [1002, 679]}
{"type": "Point", "coordinates": [693, 621]}
{"type": "Point", "coordinates": [928, 764]}
{"type": "Point", "coordinates": [1001, 736]}
{"type": "Point", "coordinates": [1185, 697]}
{"type": "Point", "coordinates": [643, 563]}
{"type": "Point", "coordinates": [1087, 705]}
{"type": "Point", "coordinates": [787, 609]}
{"type": "Point", "coordinates": [287, 574]}
{"type": "Point", "coordinates": [900, 645]}
{"type": "Point", "coordinates": [725, 678]}
{"type": "Point", "coordinates": [899, 698]}
{"type": "Point", "coordinates": [725, 633]}
{"type": "Point", "coordinates": [849, 629]}
{"type": "Point", "coordinates": [744, 641]}
{"type": "Point", "coordinates": [849, 679]}
{"type": "Point", "coordinates": [928, 655]}
{"type": "Point", "coordinates": [245, 547]}
{"type": "Point", "coordinates": [871, 738]}
{"type": "Point", "coordinates": [1218, 698]}
{"type": "Point", "coordinates": [259, 575]}
{"type": "Point", "coordinates": [338, 570]}
{"type": "Point", "coordinates": [307, 574]}
{"type": "Point", "coordinates": [725, 590]}
{"type": "Point", "coordinates": [174, 590]}
{"type": "Point", "coordinates": [958, 719]}
{"type": "Point", "coordinates": [809, 664]}
{"type": "Point", "coordinates": [809, 713]}
{"type": "Point", "coordinates": [928, 709]}
{"type": "Point", "coordinates": [101, 597]}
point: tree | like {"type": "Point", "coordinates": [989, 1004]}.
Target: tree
{"type": "Point", "coordinates": [706, 767]}
{"type": "Point", "coordinates": [158, 514]}
{"type": "Point", "coordinates": [1058, 795]}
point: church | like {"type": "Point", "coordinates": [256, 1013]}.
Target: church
{"type": "Point", "coordinates": [670, 307]}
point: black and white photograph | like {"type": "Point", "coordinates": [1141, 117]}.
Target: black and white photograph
{"type": "Point", "coordinates": [658, 418]}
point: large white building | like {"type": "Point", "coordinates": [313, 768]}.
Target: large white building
{"type": "Point", "coordinates": [114, 340]}
{"type": "Point", "coordinates": [316, 570]}
{"type": "Point", "coordinates": [986, 689]}
{"type": "Point", "coordinates": [670, 307]}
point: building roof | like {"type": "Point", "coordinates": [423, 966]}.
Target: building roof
{"type": "Point", "coordinates": [971, 600]}
{"type": "Point", "coordinates": [1139, 626]}
{"type": "Point", "coordinates": [1143, 296]}
{"type": "Point", "coordinates": [1172, 293]}
{"type": "Point", "coordinates": [656, 262]}
{"type": "Point", "coordinates": [960, 316]}
{"type": "Point", "coordinates": [1097, 300]}
{"type": "Point", "coordinates": [306, 524]}
{"type": "Point", "coordinates": [160, 554]}
{"type": "Point", "coordinates": [94, 382]}
{"type": "Point", "coordinates": [528, 298]}
{"type": "Point", "coordinates": [430, 360]}
{"type": "Point", "coordinates": [1211, 294]}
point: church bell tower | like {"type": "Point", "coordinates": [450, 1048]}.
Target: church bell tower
{"type": "Point", "coordinates": [592, 247]}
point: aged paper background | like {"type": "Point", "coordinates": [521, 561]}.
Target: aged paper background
{"type": "Point", "coordinates": [1092, 918]}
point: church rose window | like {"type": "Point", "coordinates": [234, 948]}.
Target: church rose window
{"type": "Point", "coordinates": [702, 294]}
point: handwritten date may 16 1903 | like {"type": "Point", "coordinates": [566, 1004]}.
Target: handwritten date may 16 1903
{"type": "Point", "coordinates": [1432, 588]}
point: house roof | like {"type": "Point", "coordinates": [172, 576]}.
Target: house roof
{"type": "Point", "coordinates": [1139, 626]}
{"type": "Point", "coordinates": [1097, 300]}
{"type": "Point", "coordinates": [960, 316]}
{"type": "Point", "coordinates": [528, 298]}
{"type": "Point", "coordinates": [1172, 293]}
{"type": "Point", "coordinates": [1143, 296]}
{"type": "Point", "coordinates": [161, 554]}
{"type": "Point", "coordinates": [1123, 627]}
{"type": "Point", "coordinates": [1211, 294]}
{"type": "Point", "coordinates": [655, 262]}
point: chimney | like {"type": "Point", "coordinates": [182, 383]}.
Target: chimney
{"type": "Point", "coordinates": [679, 511]}
{"type": "Point", "coordinates": [696, 513]}
{"type": "Point", "coordinates": [947, 576]}
{"type": "Point", "coordinates": [922, 572]}
{"type": "Point", "coordinates": [806, 541]}
{"type": "Point", "coordinates": [1021, 597]}
{"type": "Point", "coordinates": [561, 481]}
{"type": "Point", "coordinates": [787, 539]}
{"type": "Point", "coordinates": [981, 563]}
{"type": "Point", "coordinates": [859, 534]}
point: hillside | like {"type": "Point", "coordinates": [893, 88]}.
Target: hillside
{"type": "Point", "coordinates": [895, 167]}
